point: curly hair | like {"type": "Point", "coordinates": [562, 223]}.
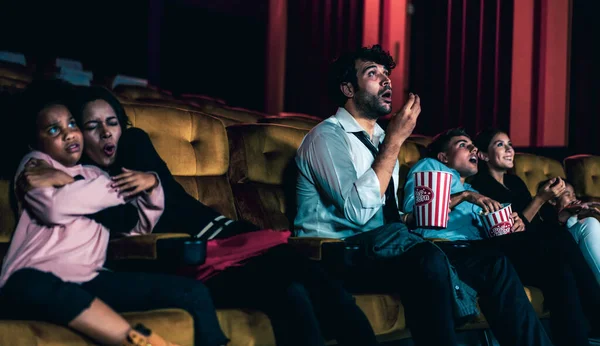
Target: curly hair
{"type": "Point", "coordinates": [38, 95]}
{"type": "Point", "coordinates": [343, 69]}
{"type": "Point", "coordinates": [26, 106]}
{"type": "Point", "coordinates": [89, 94]}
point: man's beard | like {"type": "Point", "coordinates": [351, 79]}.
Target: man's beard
{"type": "Point", "coordinates": [369, 105]}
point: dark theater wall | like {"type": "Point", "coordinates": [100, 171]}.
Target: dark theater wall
{"type": "Point", "coordinates": [216, 48]}
{"type": "Point", "coordinates": [107, 36]}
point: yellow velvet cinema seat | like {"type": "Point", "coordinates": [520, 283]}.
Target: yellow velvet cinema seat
{"type": "Point", "coordinates": [202, 99]}
{"type": "Point", "coordinates": [16, 71]}
{"type": "Point", "coordinates": [231, 115]}
{"type": "Point", "coordinates": [583, 172]}
{"type": "Point", "coordinates": [182, 105]}
{"type": "Point", "coordinates": [196, 150]}
{"type": "Point", "coordinates": [409, 154]}
{"type": "Point", "coordinates": [176, 325]}
{"type": "Point", "coordinates": [11, 83]}
{"type": "Point", "coordinates": [261, 164]}
{"type": "Point", "coordinates": [7, 217]}
{"type": "Point", "coordinates": [421, 139]}
{"type": "Point", "coordinates": [534, 169]}
{"type": "Point", "coordinates": [136, 92]}
{"type": "Point", "coordinates": [304, 123]}
{"type": "Point", "coordinates": [194, 147]}
{"type": "Point", "coordinates": [173, 103]}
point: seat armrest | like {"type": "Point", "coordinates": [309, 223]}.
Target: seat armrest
{"type": "Point", "coordinates": [317, 248]}
{"type": "Point", "coordinates": [155, 252]}
{"type": "Point", "coordinates": [140, 247]}
{"type": "Point", "coordinates": [335, 255]}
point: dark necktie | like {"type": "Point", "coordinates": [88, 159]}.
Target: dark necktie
{"type": "Point", "coordinates": [390, 209]}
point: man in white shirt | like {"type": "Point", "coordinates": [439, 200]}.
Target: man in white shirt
{"type": "Point", "coordinates": [346, 189]}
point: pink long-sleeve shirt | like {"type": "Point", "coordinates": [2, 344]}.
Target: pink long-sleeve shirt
{"type": "Point", "coordinates": [53, 235]}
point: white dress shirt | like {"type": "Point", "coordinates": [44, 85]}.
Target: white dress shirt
{"type": "Point", "coordinates": [338, 193]}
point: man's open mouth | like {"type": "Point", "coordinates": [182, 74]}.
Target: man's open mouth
{"type": "Point", "coordinates": [387, 96]}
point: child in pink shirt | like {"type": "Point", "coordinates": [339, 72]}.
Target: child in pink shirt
{"type": "Point", "coordinates": [53, 268]}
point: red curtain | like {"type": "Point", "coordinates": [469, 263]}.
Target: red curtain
{"type": "Point", "coordinates": [460, 63]}
{"type": "Point", "coordinates": [318, 31]}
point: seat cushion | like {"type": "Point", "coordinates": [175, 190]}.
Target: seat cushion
{"type": "Point", "coordinates": [409, 154]}
{"type": "Point", "coordinates": [7, 216]}
{"type": "Point", "coordinates": [421, 139]}
{"type": "Point", "coordinates": [298, 122]}
{"type": "Point", "coordinates": [15, 71]}
{"type": "Point", "coordinates": [249, 327]}
{"type": "Point", "coordinates": [536, 297]}
{"type": "Point", "coordinates": [534, 169]}
{"type": "Point", "coordinates": [134, 92]}
{"type": "Point", "coordinates": [385, 312]}
{"type": "Point", "coordinates": [195, 148]}
{"type": "Point", "coordinates": [233, 114]}
{"type": "Point", "coordinates": [11, 83]}
{"type": "Point", "coordinates": [262, 172]}
{"type": "Point", "coordinates": [246, 327]}
{"type": "Point", "coordinates": [173, 324]}
{"type": "Point", "coordinates": [584, 173]}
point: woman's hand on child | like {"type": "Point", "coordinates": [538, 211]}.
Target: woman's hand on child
{"type": "Point", "coordinates": [130, 183]}
{"type": "Point", "coordinates": [552, 189]}
{"type": "Point", "coordinates": [518, 225]}
{"type": "Point", "coordinates": [38, 173]}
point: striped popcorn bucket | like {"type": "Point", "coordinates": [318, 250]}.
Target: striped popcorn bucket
{"type": "Point", "coordinates": [499, 222]}
{"type": "Point", "coordinates": [432, 198]}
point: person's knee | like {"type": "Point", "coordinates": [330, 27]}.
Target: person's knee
{"type": "Point", "coordinates": [589, 226]}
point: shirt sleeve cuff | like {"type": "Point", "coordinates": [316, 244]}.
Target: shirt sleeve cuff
{"type": "Point", "coordinates": [368, 189]}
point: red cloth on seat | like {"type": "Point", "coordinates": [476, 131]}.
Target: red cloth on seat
{"type": "Point", "coordinates": [233, 251]}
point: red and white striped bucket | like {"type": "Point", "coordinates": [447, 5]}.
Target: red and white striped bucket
{"type": "Point", "coordinates": [432, 198]}
{"type": "Point", "coordinates": [499, 222]}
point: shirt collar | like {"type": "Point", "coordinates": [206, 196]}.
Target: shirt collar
{"type": "Point", "coordinates": [349, 124]}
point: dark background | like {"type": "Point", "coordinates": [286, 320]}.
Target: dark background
{"type": "Point", "coordinates": [218, 47]}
